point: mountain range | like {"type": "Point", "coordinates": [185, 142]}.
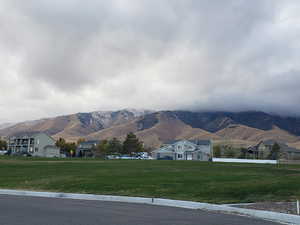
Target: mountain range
{"type": "Point", "coordinates": [157, 127]}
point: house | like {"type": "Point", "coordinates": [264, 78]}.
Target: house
{"type": "Point", "coordinates": [36, 144]}
{"type": "Point", "coordinates": [263, 149]}
{"type": "Point", "coordinates": [185, 150]}
{"type": "Point", "coordinates": [85, 149]}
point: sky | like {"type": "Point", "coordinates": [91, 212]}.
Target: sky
{"type": "Point", "coordinates": [66, 56]}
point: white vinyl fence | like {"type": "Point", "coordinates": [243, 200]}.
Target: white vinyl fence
{"type": "Point", "coordinates": [230, 160]}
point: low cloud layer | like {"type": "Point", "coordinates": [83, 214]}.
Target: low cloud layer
{"type": "Point", "coordinates": [65, 56]}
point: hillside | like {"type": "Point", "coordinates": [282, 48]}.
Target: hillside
{"type": "Point", "coordinates": [155, 128]}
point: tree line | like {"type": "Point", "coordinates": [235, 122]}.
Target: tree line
{"type": "Point", "coordinates": [242, 153]}
{"type": "Point", "coordinates": [129, 146]}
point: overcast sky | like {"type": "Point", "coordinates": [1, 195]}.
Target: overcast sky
{"type": "Point", "coordinates": [66, 56]}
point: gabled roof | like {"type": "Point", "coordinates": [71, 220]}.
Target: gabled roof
{"type": "Point", "coordinates": [27, 134]}
{"type": "Point", "coordinates": [289, 149]}
{"type": "Point", "coordinates": [201, 142]}
{"type": "Point", "coordinates": [271, 142]}
{"type": "Point", "coordinates": [196, 142]}
{"type": "Point", "coordinates": [170, 142]}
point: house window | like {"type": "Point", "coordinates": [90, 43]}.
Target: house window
{"type": "Point", "coordinates": [179, 156]}
{"type": "Point", "coordinates": [36, 149]}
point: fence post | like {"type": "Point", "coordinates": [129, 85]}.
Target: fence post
{"type": "Point", "coordinates": [298, 209]}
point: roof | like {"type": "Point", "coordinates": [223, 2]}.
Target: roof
{"type": "Point", "coordinates": [27, 134]}
{"type": "Point", "coordinates": [271, 142]}
{"type": "Point", "coordinates": [170, 142]}
{"type": "Point", "coordinates": [91, 142]}
{"type": "Point", "coordinates": [289, 149]}
{"type": "Point", "coordinates": [201, 142]}
{"type": "Point", "coordinates": [196, 142]}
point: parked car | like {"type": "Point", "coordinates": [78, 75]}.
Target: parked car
{"type": "Point", "coordinates": [166, 158]}
{"type": "Point", "coordinates": [3, 152]}
{"type": "Point", "coordinates": [25, 154]}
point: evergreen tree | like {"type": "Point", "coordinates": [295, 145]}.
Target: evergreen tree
{"type": "Point", "coordinates": [132, 144]}
{"type": "Point", "coordinates": [275, 152]}
{"type": "Point", "coordinates": [217, 151]}
{"type": "Point", "coordinates": [115, 146]}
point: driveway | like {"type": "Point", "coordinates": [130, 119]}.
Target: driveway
{"type": "Point", "coordinates": [16, 210]}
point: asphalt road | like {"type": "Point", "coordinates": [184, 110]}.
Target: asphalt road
{"type": "Point", "coordinates": [15, 210]}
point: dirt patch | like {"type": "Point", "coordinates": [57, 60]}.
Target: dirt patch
{"type": "Point", "coordinates": [282, 207]}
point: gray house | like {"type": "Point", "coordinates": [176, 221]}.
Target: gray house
{"type": "Point", "coordinates": [38, 144]}
{"type": "Point", "coordinates": [263, 149]}
{"type": "Point", "coordinates": [185, 150]}
{"type": "Point", "coordinates": [85, 149]}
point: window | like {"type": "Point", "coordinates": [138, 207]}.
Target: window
{"type": "Point", "coordinates": [36, 149]}
{"type": "Point", "coordinates": [179, 156]}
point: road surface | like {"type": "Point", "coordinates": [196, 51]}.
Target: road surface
{"type": "Point", "coordinates": [17, 210]}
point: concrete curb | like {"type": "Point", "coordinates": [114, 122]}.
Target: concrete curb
{"type": "Point", "coordinates": [266, 215]}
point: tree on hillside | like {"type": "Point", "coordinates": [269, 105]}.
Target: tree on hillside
{"type": "Point", "coordinates": [275, 152]}
{"type": "Point", "coordinates": [132, 144]}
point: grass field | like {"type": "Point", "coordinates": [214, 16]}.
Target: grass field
{"type": "Point", "coordinates": [185, 180]}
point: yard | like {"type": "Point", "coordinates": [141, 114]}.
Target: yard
{"type": "Point", "coordinates": [185, 180]}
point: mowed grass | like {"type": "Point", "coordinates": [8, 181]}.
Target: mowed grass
{"type": "Point", "coordinates": [185, 180]}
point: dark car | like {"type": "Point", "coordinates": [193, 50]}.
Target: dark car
{"type": "Point", "coordinates": [166, 158]}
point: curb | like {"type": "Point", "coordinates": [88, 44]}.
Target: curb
{"type": "Point", "coordinates": [266, 215]}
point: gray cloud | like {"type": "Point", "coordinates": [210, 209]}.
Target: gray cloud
{"type": "Point", "coordinates": [59, 57]}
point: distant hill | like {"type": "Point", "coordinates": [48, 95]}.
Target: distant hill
{"type": "Point", "coordinates": [155, 128]}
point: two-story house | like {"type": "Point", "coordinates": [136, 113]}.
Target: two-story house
{"type": "Point", "coordinates": [38, 144]}
{"type": "Point", "coordinates": [85, 149]}
{"type": "Point", "coordinates": [185, 150]}
{"type": "Point", "coordinates": [263, 149]}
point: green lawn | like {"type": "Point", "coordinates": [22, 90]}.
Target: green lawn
{"type": "Point", "coordinates": [186, 180]}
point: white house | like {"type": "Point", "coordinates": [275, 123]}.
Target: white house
{"type": "Point", "coordinates": [185, 150]}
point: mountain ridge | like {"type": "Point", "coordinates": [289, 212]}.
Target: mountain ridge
{"type": "Point", "coordinates": [157, 127]}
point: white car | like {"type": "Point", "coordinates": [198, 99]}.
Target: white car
{"type": "Point", "coordinates": [3, 152]}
